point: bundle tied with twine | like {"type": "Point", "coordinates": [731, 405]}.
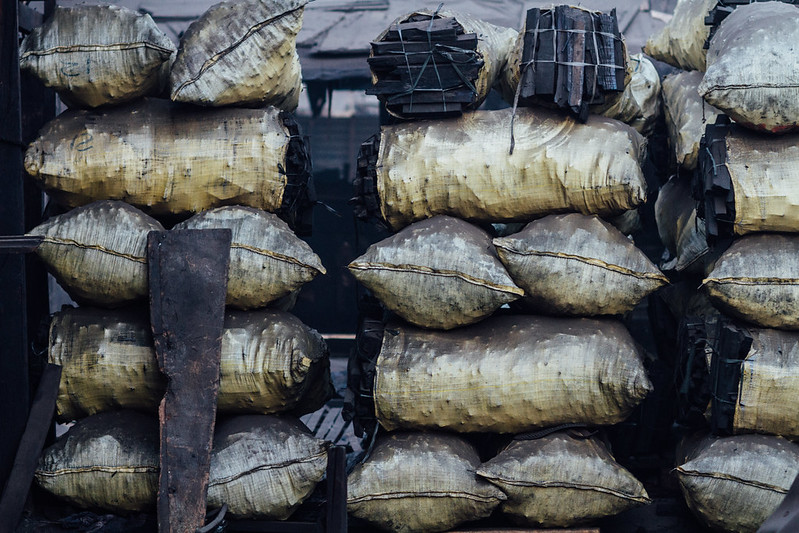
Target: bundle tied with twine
{"type": "Point", "coordinates": [426, 71]}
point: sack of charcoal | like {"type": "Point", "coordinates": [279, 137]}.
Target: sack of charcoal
{"type": "Point", "coordinates": [507, 374]}
{"type": "Point", "coordinates": [489, 166]}
{"type": "Point", "coordinates": [241, 52]}
{"type": "Point", "coordinates": [420, 482]}
{"type": "Point", "coordinates": [95, 55]}
{"type": "Point", "coordinates": [270, 363]}
{"type": "Point", "coordinates": [577, 265]}
{"type": "Point", "coordinates": [752, 68]}
{"type": "Point", "coordinates": [169, 159]}
{"type": "Point", "coordinates": [438, 273]}
{"type": "Point", "coordinates": [736, 483]}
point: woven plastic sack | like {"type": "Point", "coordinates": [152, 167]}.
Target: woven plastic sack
{"type": "Point", "coordinates": [639, 104]}
{"type": "Point", "coordinates": [735, 483]}
{"type": "Point", "coordinates": [493, 47]}
{"type": "Point", "coordinates": [98, 252]}
{"type": "Point", "coordinates": [686, 115]}
{"type": "Point", "coordinates": [757, 280]}
{"type": "Point", "coordinates": [752, 68]}
{"type": "Point", "coordinates": [420, 482]}
{"type": "Point", "coordinates": [241, 52]}
{"type": "Point", "coordinates": [577, 265]}
{"type": "Point", "coordinates": [764, 172]}
{"type": "Point", "coordinates": [681, 43]}
{"type": "Point", "coordinates": [264, 466]}
{"type": "Point", "coordinates": [561, 480]}
{"type": "Point", "coordinates": [508, 374]}
{"type": "Point", "coordinates": [270, 363]}
{"type": "Point", "coordinates": [767, 400]}
{"type": "Point", "coordinates": [462, 167]}
{"type": "Point", "coordinates": [438, 273]}
{"type": "Point", "coordinates": [96, 55]}
{"type": "Point", "coordinates": [680, 231]}
{"type": "Point", "coordinates": [165, 158]}
{"type": "Point", "coordinates": [267, 260]}
{"type": "Point", "coordinates": [108, 461]}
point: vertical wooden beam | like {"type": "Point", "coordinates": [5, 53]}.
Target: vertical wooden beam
{"type": "Point", "coordinates": [188, 285]}
{"type": "Point", "coordinates": [336, 511]}
{"type": "Point", "coordinates": [30, 449]}
{"type": "Point", "coordinates": [14, 393]}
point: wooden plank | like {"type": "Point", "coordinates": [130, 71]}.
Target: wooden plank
{"type": "Point", "coordinates": [432, 109]}
{"type": "Point", "coordinates": [14, 394]}
{"type": "Point", "coordinates": [188, 284]}
{"type": "Point", "coordinates": [442, 28]}
{"type": "Point", "coordinates": [39, 424]}
{"type": "Point", "coordinates": [392, 61]}
{"type": "Point", "coordinates": [439, 75]}
{"type": "Point", "coordinates": [336, 508]}
{"type": "Point", "coordinates": [456, 95]}
{"type": "Point", "coordinates": [465, 41]}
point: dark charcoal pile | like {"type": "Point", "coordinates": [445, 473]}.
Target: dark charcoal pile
{"type": "Point", "coordinates": [426, 66]}
{"type": "Point", "coordinates": [571, 57]}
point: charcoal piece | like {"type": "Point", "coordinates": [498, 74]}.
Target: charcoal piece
{"type": "Point", "coordinates": [433, 65]}
{"type": "Point", "coordinates": [713, 188]}
{"type": "Point", "coordinates": [571, 58]}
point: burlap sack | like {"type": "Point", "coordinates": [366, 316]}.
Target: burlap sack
{"type": "Point", "coordinates": [438, 273]}
{"type": "Point", "coordinates": [757, 280]}
{"type": "Point", "coordinates": [420, 482]}
{"type": "Point", "coordinates": [577, 265]}
{"type": "Point", "coordinates": [241, 52]}
{"type": "Point", "coordinates": [508, 374]}
{"type": "Point", "coordinates": [686, 115]}
{"type": "Point", "coordinates": [164, 158]}
{"type": "Point", "coordinates": [98, 54]}
{"type": "Point", "coordinates": [753, 69]}
{"type": "Point", "coordinates": [267, 260]}
{"type": "Point", "coordinates": [764, 171]}
{"type": "Point", "coordinates": [639, 104]}
{"type": "Point", "coordinates": [494, 45]}
{"type": "Point", "coordinates": [680, 231]}
{"type": "Point", "coordinates": [681, 42]}
{"type": "Point", "coordinates": [559, 481]}
{"type": "Point", "coordinates": [264, 466]}
{"type": "Point", "coordinates": [270, 363]}
{"type": "Point", "coordinates": [767, 401]}
{"type": "Point", "coordinates": [461, 167]}
{"type": "Point", "coordinates": [98, 252]}
{"type": "Point", "coordinates": [108, 461]}
{"type": "Point", "coordinates": [735, 483]}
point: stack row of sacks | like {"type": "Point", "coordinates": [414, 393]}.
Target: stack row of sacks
{"type": "Point", "coordinates": [238, 52]}
{"type": "Point", "coordinates": [127, 157]}
{"type": "Point", "coordinates": [262, 466]}
{"type": "Point", "coordinates": [445, 369]}
{"type": "Point", "coordinates": [735, 480]}
{"type": "Point", "coordinates": [164, 157]}
{"type": "Point", "coordinates": [744, 184]}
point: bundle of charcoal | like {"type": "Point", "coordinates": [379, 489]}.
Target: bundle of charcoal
{"type": "Point", "coordinates": [733, 196]}
{"type": "Point", "coordinates": [437, 64]}
{"type": "Point", "coordinates": [725, 7]}
{"type": "Point", "coordinates": [571, 57]}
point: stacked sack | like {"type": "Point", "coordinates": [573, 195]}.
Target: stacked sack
{"type": "Point", "coordinates": [120, 158]}
{"type": "Point", "coordinates": [745, 174]}
{"type": "Point", "coordinates": [448, 364]}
